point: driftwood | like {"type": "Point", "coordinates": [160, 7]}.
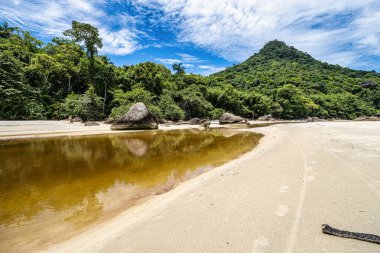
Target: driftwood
{"type": "Point", "coordinates": [347, 234]}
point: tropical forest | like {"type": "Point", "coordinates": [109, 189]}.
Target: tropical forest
{"type": "Point", "coordinates": [67, 77]}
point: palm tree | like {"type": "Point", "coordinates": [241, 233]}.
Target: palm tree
{"type": "Point", "coordinates": [179, 68]}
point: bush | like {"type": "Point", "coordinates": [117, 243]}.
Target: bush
{"type": "Point", "coordinates": [87, 106]}
{"type": "Point", "coordinates": [193, 102]}
{"type": "Point", "coordinates": [170, 110]}
{"type": "Point", "coordinates": [124, 100]}
{"type": "Point", "coordinates": [119, 111]}
{"type": "Point", "coordinates": [216, 113]}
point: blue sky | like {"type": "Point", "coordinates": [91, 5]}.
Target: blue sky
{"type": "Point", "coordinates": [209, 35]}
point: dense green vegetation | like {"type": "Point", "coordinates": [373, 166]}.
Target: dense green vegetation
{"type": "Point", "coordinates": [64, 78]}
{"type": "Point", "coordinates": [295, 85]}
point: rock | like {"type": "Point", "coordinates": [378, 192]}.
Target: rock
{"type": "Point", "coordinates": [205, 123]}
{"type": "Point", "coordinates": [162, 121]}
{"type": "Point", "coordinates": [229, 118]}
{"type": "Point", "coordinates": [138, 117]}
{"type": "Point", "coordinates": [91, 123]}
{"type": "Point", "coordinates": [312, 119]}
{"type": "Point", "coordinates": [77, 119]}
{"type": "Point", "coordinates": [71, 119]}
{"type": "Point", "coordinates": [109, 121]}
{"type": "Point", "coordinates": [365, 118]}
{"type": "Point", "coordinates": [266, 118]}
{"type": "Point", "coordinates": [194, 121]}
{"type": "Point", "coordinates": [369, 84]}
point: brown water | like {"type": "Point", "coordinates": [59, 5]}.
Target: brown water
{"type": "Point", "coordinates": [51, 189]}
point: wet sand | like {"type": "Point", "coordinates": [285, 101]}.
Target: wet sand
{"type": "Point", "coordinates": [272, 199]}
{"type": "Point", "coordinates": [12, 130]}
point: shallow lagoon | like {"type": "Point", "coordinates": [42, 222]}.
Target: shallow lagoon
{"type": "Point", "coordinates": [52, 188]}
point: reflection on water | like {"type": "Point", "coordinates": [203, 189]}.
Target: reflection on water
{"type": "Point", "coordinates": [54, 187]}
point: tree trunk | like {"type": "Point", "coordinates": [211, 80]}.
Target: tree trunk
{"type": "Point", "coordinates": [105, 96]}
{"type": "Point", "coordinates": [69, 89]}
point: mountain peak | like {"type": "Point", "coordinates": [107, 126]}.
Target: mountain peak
{"type": "Point", "coordinates": [276, 49]}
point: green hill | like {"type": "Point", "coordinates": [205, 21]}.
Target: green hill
{"type": "Point", "coordinates": [300, 85]}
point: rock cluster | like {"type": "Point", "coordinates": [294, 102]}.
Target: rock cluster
{"type": "Point", "coordinates": [229, 118]}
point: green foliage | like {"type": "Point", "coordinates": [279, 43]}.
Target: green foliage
{"type": "Point", "coordinates": [124, 100]}
{"type": "Point", "coordinates": [230, 99]}
{"type": "Point", "coordinates": [62, 78]}
{"type": "Point", "coordinates": [6, 31]}
{"type": "Point", "coordinates": [147, 75]}
{"type": "Point", "coordinates": [216, 113]}
{"type": "Point", "coordinates": [18, 100]}
{"type": "Point", "coordinates": [170, 110]}
{"type": "Point", "coordinates": [345, 106]}
{"type": "Point", "coordinates": [87, 106]}
{"type": "Point", "coordinates": [87, 34]}
{"type": "Point", "coordinates": [295, 85]}
{"type": "Point", "coordinates": [192, 101]}
{"type": "Point", "coordinates": [43, 65]}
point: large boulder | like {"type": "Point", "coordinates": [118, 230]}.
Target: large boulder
{"type": "Point", "coordinates": [229, 118]}
{"type": "Point", "coordinates": [138, 117]}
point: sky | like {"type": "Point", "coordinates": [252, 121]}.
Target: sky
{"type": "Point", "coordinates": [210, 35]}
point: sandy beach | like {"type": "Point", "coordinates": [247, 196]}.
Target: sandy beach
{"type": "Point", "coordinates": [273, 199]}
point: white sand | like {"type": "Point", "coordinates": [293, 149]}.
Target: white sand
{"type": "Point", "coordinates": [272, 199]}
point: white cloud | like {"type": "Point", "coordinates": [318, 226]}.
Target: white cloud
{"type": "Point", "coordinates": [236, 29]}
{"type": "Point", "coordinates": [191, 63]}
{"type": "Point", "coordinates": [209, 69]}
{"type": "Point", "coordinates": [167, 60]}
{"type": "Point", "coordinates": [51, 18]}
{"type": "Point", "coordinates": [339, 31]}
{"type": "Point", "coordinates": [120, 42]}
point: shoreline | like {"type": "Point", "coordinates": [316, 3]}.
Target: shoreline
{"type": "Point", "coordinates": [147, 208]}
{"type": "Point", "coordinates": [298, 177]}
{"type": "Point", "coordinates": [273, 198]}
{"type": "Point", "coordinates": [28, 130]}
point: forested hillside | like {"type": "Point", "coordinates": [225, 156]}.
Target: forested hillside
{"type": "Point", "coordinates": [66, 77]}
{"type": "Point", "coordinates": [297, 85]}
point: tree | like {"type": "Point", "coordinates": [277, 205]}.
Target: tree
{"type": "Point", "coordinates": [44, 65]}
{"type": "Point", "coordinates": [87, 34]}
{"type": "Point", "coordinates": [294, 104]}
{"type": "Point", "coordinates": [17, 97]}
{"type": "Point", "coordinates": [148, 75]}
{"type": "Point", "coordinates": [6, 31]}
{"type": "Point", "coordinates": [68, 55]}
{"type": "Point", "coordinates": [193, 102]}
{"type": "Point", "coordinates": [104, 77]}
{"type": "Point", "coordinates": [179, 68]}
